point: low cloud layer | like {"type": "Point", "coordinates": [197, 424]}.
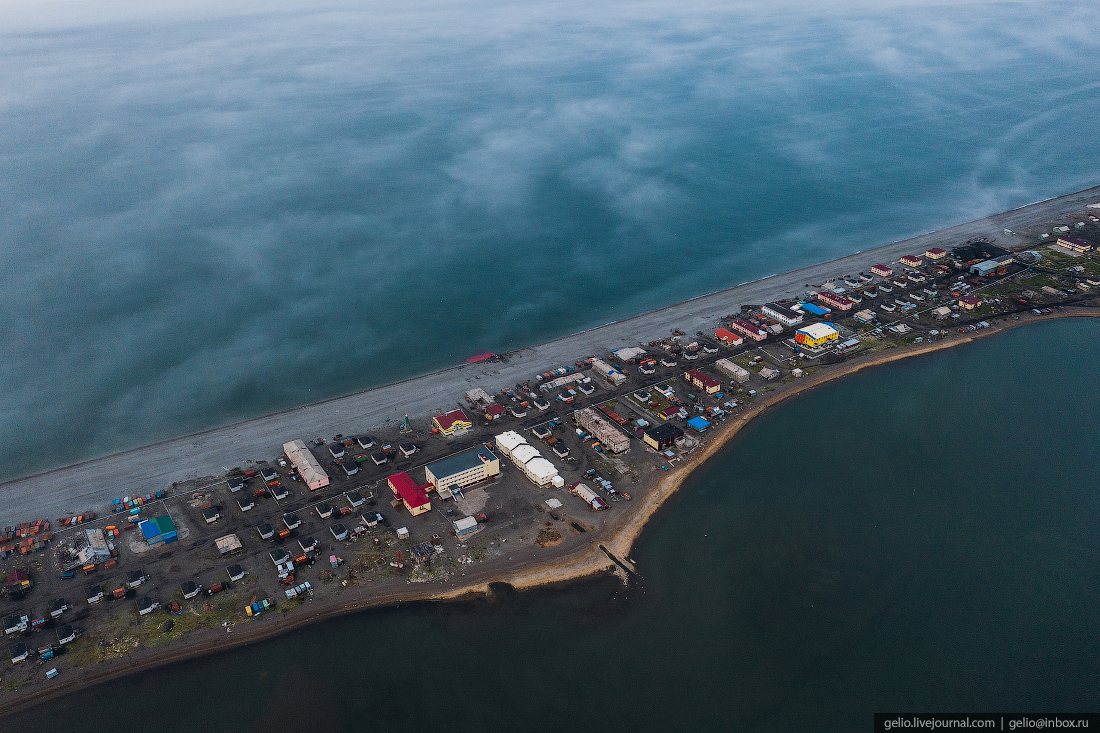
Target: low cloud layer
{"type": "Point", "coordinates": [208, 214]}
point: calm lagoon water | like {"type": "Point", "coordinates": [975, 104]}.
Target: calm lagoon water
{"type": "Point", "coordinates": [209, 211]}
{"type": "Point", "coordinates": [931, 546]}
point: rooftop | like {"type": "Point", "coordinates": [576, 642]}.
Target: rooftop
{"type": "Point", "coordinates": [462, 462]}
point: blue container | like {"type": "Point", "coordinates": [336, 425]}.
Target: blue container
{"type": "Point", "coordinates": [134, 512]}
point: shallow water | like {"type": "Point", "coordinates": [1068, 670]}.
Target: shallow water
{"type": "Point", "coordinates": [921, 536]}
{"type": "Point", "coordinates": [213, 210]}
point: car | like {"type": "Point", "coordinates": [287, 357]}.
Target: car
{"type": "Point", "coordinates": [336, 450]}
{"type": "Point", "coordinates": [292, 521]}
{"type": "Point", "coordinates": [339, 531]}
{"type": "Point", "coordinates": [365, 442]}
{"type": "Point", "coordinates": [266, 531]}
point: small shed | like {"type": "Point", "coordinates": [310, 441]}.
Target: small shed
{"type": "Point", "coordinates": [465, 526]}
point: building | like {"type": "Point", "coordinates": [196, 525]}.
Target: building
{"type": "Point", "coordinates": [702, 381]}
{"type": "Point", "coordinates": [508, 442]}
{"type": "Point", "coordinates": [625, 355]}
{"type": "Point", "coordinates": [593, 499]}
{"type": "Point", "coordinates": [781, 313]}
{"type": "Point", "coordinates": [478, 397]}
{"type": "Point", "coordinates": [494, 411]}
{"type": "Point", "coordinates": [670, 412]}
{"type": "Point", "coordinates": [865, 316]}
{"type": "Point", "coordinates": [942, 312]}
{"type": "Point", "coordinates": [911, 261]}
{"type": "Point", "coordinates": [768, 373]}
{"type": "Point", "coordinates": [835, 301]}
{"type": "Point", "coordinates": [849, 345]}
{"type": "Point", "coordinates": [1077, 245]}
{"type": "Point", "coordinates": [751, 330]}
{"type": "Point", "coordinates": [970, 302]}
{"type": "Point", "coordinates": [608, 372]}
{"type": "Point", "coordinates": [936, 253]}
{"type": "Point", "coordinates": [816, 335]}
{"type": "Point", "coordinates": [882, 270]}
{"type": "Point", "coordinates": [465, 527]}
{"type": "Point", "coordinates": [159, 530]}
{"type": "Point", "coordinates": [542, 472]}
{"type": "Point", "coordinates": [727, 337]}
{"type": "Point", "coordinates": [698, 423]}
{"type": "Point", "coordinates": [997, 265]}
{"type": "Point", "coordinates": [462, 470]}
{"type": "Point", "coordinates": [661, 437]}
{"type": "Point", "coordinates": [306, 465]}
{"type": "Point", "coordinates": [412, 495]}
{"type": "Point", "coordinates": [814, 309]}
{"type": "Point", "coordinates": [733, 371]}
{"type": "Point", "coordinates": [602, 430]}
{"type": "Point", "coordinates": [452, 421]}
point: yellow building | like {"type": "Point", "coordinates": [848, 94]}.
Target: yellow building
{"type": "Point", "coordinates": [816, 334]}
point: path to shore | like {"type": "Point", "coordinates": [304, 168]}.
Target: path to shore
{"type": "Point", "coordinates": [94, 483]}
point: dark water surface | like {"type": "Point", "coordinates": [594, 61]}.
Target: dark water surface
{"type": "Point", "coordinates": [209, 211]}
{"type": "Point", "coordinates": [920, 536]}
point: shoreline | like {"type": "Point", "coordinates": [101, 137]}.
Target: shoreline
{"type": "Point", "coordinates": [586, 561]}
{"type": "Point", "coordinates": [91, 483]}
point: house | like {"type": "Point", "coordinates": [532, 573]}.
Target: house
{"type": "Point", "coordinates": [768, 373]}
{"type": "Point", "coordinates": [781, 313]}
{"type": "Point", "coordinates": [211, 515]}
{"type": "Point", "coordinates": [970, 302]}
{"type": "Point", "coordinates": [229, 544]}
{"type": "Point", "coordinates": [936, 253]}
{"type": "Point", "coordinates": [189, 589]}
{"type": "Point", "coordinates": [66, 633]}
{"type": "Point", "coordinates": [670, 412]}
{"type": "Point", "coordinates": [495, 411]}
{"type": "Point", "coordinates": [18, 652]}
{"type": "Point", "coordinates": [146, 605]}
{"type": "Point", "coordinates": [235, 572]}
{"type": "Point", "coordinates": [941, 313]}
{"type": "Point", "coordinates": [452, 421]}
{"type": "Point", "coordinates": [462, 470]}
{"type": "Point", "coordinates": [1072, 243]}
{"type": "Point", "coordinates": [57, 607]}
{"type": "Point", "coordinates": [661, 437]}
{"type": "Point", "coordinates": [751, 330]}
{"type": "Point", "coordinates": [465, 527]}
{"type": "Point", "coordinates": [997, 265]}
{"type": "Point", "coordinates": [134, 578]}
{"type": "Point", "coordinates": [882, 270]}
{"type": "Point", "coordinates": [408, 449]}
{"type": "Point", "coordinates": [93, 594]}
{"type": "Point", "coordinates": [911, 261]}
{"type": "Point", "coordinates": [411, 494]}
{"type": "Point", "coordinates": [702, 381]}
{"type": "Point", "coordinates": [865, 316]}
{"type": "Point", "coordinates": [816, 335]}
{"type": "Point", "coordinates": [727, 337]}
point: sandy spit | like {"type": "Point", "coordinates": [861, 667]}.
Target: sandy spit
{"type": "Point", "coordinates": [533, 572]}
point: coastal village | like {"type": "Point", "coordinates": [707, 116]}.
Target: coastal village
{"type": "Point", "coordinates": [506, 478]}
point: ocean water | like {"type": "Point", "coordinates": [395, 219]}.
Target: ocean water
{"type": "Point", "coordinates": [918, 537]}
{"type": "Point", "coordinates": [209, 211]}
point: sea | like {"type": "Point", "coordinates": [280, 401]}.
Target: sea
{"type": "Point", "coordinates": [919, 537]}
{"type": "Point", "coordinates": [211, 211]}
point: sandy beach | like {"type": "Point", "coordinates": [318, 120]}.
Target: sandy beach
{"type": "Point", "coordinates": [588, 560]}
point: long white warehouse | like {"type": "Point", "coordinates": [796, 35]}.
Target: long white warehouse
{"type": "Point", "coordinates": [308, 467]}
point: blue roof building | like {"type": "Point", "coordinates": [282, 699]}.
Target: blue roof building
{"type": "Point", "coordinates": [699, 423]}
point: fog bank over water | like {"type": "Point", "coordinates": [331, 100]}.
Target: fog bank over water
{"type": "Point", "coordinates": [209, 212]}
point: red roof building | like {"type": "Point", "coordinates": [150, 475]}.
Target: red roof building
{"type": "Point", "coordinates": [449, 422]}
{"type": "Point", "coordinates": [936, 253]}
{"type": "Point", "coordinates": [836, 301]}
{"type": "Point", "coordinates": [728, 337]}
{"type": "Point", "coordinates": [911, 261]}
{"type": "Point", "coordinates": [494, 411]}
{"type": "Point", "coordinates": [882, 270]}
{"type": "Point", "coordinates": [750, 330]}
{"type": "Point", "coordinates": [412, 495]}
{"type": "Point", "coordinates": [702, 381]}
{"type": "Point", "coordinates": [970, 302]}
